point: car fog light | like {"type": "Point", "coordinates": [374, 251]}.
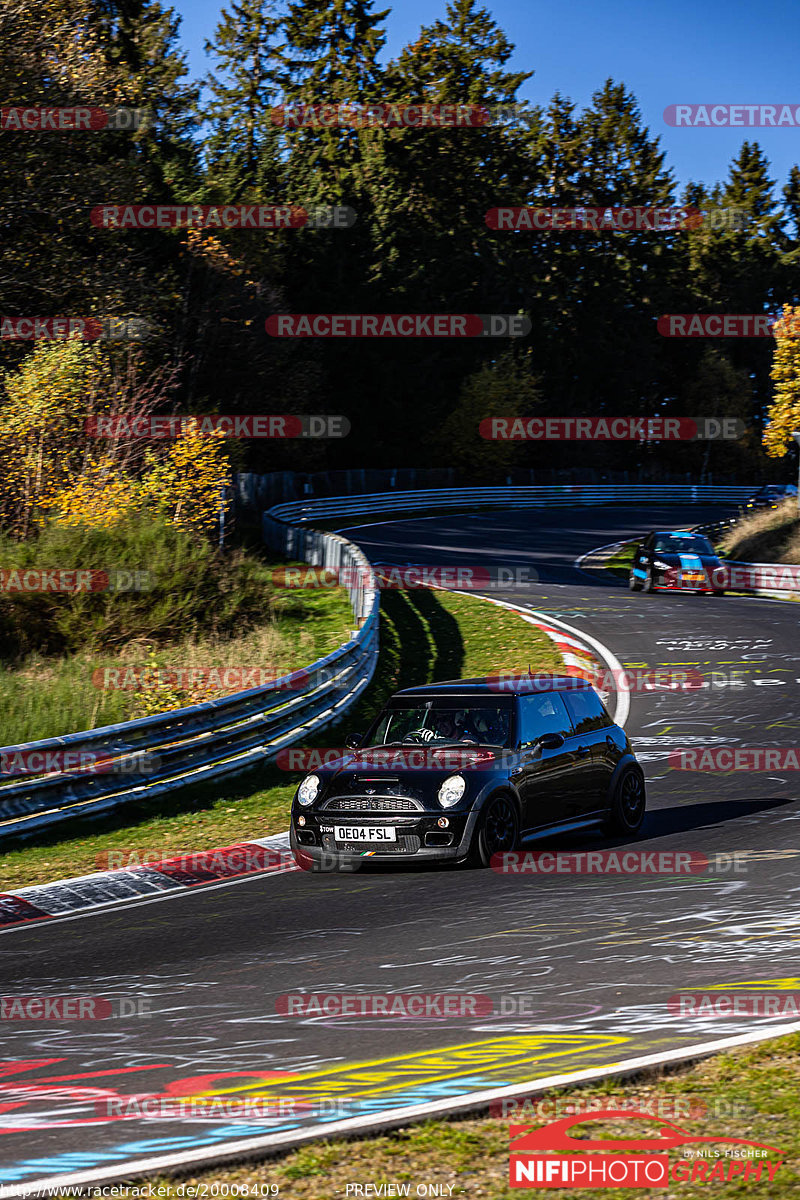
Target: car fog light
{"type": "Point", "coordinates": [301, 820]}
{"type": "Point", "coordinates": [443, 822]}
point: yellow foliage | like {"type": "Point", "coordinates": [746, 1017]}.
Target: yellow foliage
{"type": "Point", "coordinates": [784, 412]}
{"type": "Point", "coordinates": [187, 485]}
{"type": "Point", "coordinates": [42, 417]}
{"type": "Point", "coordinates": [98, 500]}
{"type": "Point", "coordinates": [52, 465]}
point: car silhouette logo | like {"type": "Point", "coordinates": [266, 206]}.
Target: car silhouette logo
{"type": "Point", "coordinates": [666, 1136]}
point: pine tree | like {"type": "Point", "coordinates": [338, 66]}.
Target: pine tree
{"type": "Point", "coordinates": [241, 147]}
{"type": "Point", "coordinates": [140, 41]}
{"type": "Point", "coordinates": [330, 57]}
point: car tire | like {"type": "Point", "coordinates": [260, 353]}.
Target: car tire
{"type": "Point", "coordinates": [647, 586]}
{"type": "Point", "coordinates": [633, 583]}
{"type": "Point", "coordinates": [497, 831]}
{"type": "Point", "coordinates": [718, 592]}
{"type": "Point", "coordinates": [628, 804]}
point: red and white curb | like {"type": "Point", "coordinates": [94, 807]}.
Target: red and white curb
{"type": "Point", "coordinates": [168, 876]}
{"type": "Point", "coordinates": [584, 656]}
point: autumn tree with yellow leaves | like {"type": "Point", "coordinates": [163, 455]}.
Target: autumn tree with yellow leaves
{"type": "Point", "coordinates": [56, 470]}
{"type": "Point", "coordinates": [187, 484]}
{"type": "Point", "coordinates": [784, 412]}
{"type": "Point", "coordinates": [43, 409]}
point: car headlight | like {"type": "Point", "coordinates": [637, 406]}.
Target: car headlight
{"type": "Point", "coordinates": [660, 566]}
{"type": "Point", "coordinates": [309, 789]}
{"type": "Point", "coordinates": [452, 790]}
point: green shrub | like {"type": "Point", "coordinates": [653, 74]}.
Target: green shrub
{"type": "Point", "coordinates": [193, 589]}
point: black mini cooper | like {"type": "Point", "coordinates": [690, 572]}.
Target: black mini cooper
{"type": "Point", "coordinates": [463, 770]}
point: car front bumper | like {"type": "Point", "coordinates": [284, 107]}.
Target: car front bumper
{"type": "Point", "coordinates": [418, 838]}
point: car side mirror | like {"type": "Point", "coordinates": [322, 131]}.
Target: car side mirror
{"type": "Point", "coordinates": [549, 741]}
{"type": "Point", "coordinates": [353, 740]}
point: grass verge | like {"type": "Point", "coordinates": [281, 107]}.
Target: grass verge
{"type": "Point", "coordinates": [772, 535]}
{"type": "Point", "coordinates": [425, 636]}
{"type": "Point", "coordinates": [748, 1093]}
{"type": "Point", "coordinates": [619, 563]}
{"type": "Point", "coordinates": [48, 696]}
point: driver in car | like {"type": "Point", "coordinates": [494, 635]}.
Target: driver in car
{"type": "Point", "coordinates": [491, 727]}
{"type": "Point", "coordinates": [456, 726]}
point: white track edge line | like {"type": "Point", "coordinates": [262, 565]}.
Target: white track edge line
{"type": "Point", "coordinates": [623, 705]}
{"type": "Point", "coordinates": [248, 1147]}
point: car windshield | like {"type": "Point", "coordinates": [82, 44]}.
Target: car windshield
{"type": "Point", "coordinates": [678, 543]}
{"type": "Point", "coordinates": [433, 723]}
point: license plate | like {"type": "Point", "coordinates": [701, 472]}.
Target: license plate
{"type": "Point", "coordinates": [365, 833]}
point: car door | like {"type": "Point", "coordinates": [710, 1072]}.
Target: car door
{"type": "Point", "coordinates": [642, 558]}
{"type": "Point", "coordinates": [593, 729]}
{"type": "Point", "coordinates": [543, 776]}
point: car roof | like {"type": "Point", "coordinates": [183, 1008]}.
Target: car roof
{"type": "Point", "coordinates": [502, 687]}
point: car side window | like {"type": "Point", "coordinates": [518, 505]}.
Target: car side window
{"type": "Point", "coordinates": [542, 714]}
{"type": "Point", "coordinates": [587, 710]}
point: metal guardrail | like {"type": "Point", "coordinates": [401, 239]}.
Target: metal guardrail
{"type": "Point", "coordinates": [142, 759]}
{"type": "Point", "coordinates": [534, 496]}
{"type": "Point", "coordinates": [149, 757]}
{"type": "Point", "coordinates": [714, 529]}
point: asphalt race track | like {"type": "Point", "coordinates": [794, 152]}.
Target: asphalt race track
{"type": "Point", "coordinates": [594, 958]}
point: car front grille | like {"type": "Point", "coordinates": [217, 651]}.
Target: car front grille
{"type": "Point", "coordinates": [371, 804]}
{"type": "Point", "coordinates": [407, 843]}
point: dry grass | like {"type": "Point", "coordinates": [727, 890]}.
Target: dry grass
{"type": "Point", "coordinates": [772, 535]}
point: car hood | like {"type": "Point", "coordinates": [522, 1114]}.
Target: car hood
{"type": "Point", "coordinates": [384, 767]}
{"type": "Point", "coordinates": [689, 562]}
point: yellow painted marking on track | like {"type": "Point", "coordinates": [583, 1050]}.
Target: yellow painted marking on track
{"type": "Point", "coordinates": [764, 985]}
{"type": "Point", "coordinates": [380, 1075]}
